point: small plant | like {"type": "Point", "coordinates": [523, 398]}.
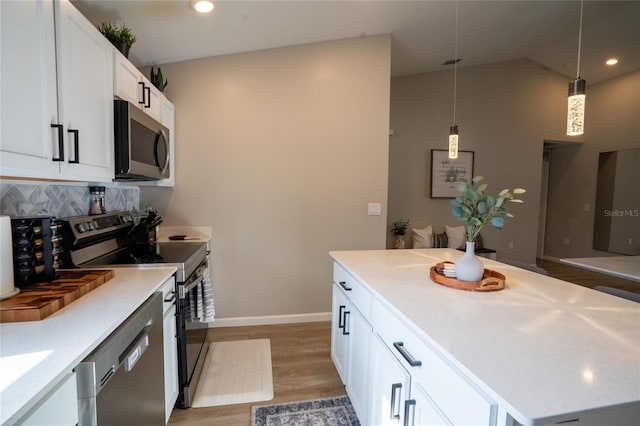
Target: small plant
{"type": "Point", "coordinates": [476, 208]}
{"type": "Point", "coordinates": [399, 227]}
{"type": "Point", "coordinates": [117, 35]}
{"type": "Point", "coordinates": [158, 80]}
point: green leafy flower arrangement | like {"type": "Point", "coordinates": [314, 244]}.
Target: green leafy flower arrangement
{"type": "Point", "coordinates": [476, 208]}
{"type": "Point", "coordinates": [399, 227]}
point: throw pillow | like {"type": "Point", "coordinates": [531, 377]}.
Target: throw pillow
{"type": "Point", "coordinates": [421, 237]}
{"type": "Point", "coordinates": [440, 241]}
{"type": "Point", "coordinates": [456, 235]}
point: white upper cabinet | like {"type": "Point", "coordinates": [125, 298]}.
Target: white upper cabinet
{"type": "Point", "coordinates": [131, 85]}
{"type": "Point", "coordinates": [168, 120]}
{"type": "Point", "coordinates": [85, 80]}
{"type": "Point", "coordinates": [57, 110]}
{"type": "Point", "coordinates": [28, 86]}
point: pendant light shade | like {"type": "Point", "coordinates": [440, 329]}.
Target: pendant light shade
{"type": "Point", "coordinates": [577, 89]}
{"type": "Point", "coordinates": [453, 130]}
{"type": "Point", "coordinates": [575, 107]}
{"type": "Point", "coordinates": [453, 142]}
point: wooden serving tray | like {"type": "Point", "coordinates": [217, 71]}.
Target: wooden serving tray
{"type": "Point", "coordinates": [491, 280]}
{"type": "Point", "coordinates": [40, 300]}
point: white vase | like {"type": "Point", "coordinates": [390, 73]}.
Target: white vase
{"type": "Point", "coordinates": [469, 267]}
{"type": "Point", "coordinates": [399, 244]}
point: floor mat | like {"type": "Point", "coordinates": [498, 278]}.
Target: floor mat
{"type": "Point", "coordinates": [235, 372]}
{"type": "Point", "coordinates": [331, 411]}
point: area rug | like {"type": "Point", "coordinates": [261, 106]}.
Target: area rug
{"type": "Point", "coordinates": [318, 412]}
{"type": "Point", "coordinates": [234, 373]}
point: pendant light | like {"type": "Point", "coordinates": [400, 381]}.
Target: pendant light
{"type": "Point", "coordinates": [453, 130]}
{"type": "Point", "coordinates": [576, 100]}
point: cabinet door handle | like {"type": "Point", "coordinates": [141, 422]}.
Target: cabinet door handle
{"type": "Point", "coordinates": [76, 145]}
{"type": "Point", "coordinates": [344, 329]}
{"type": "Point", "coordinates": [395, 401]}
{"type": "Point", "coordinates": [343, 284]}
{"type": "Point", "coordinates": [406, 355]}
{"type": "Point", "coordinates": [408, 412]}
{"type": "Point", "coordinates": [340, 316]}
{"type": "Point", "coordinates": [60, 143]}
{"type": "Point", "coordinates": [143, 101]}
{"type": "Point", "coordinates": [148, 90]}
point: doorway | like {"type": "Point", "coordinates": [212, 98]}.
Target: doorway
{"type": "Point", "coordinates": [547, 158]}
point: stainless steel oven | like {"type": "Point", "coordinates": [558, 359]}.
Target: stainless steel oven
{"type": "Point", "coordinates": [112, 239]}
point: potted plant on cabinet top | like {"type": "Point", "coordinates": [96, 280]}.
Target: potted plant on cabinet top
{"type": "Point", "coordinates": [477, 209]}
{"type": "Point", "coordinates": [158, 80]}
{"type": "Point", "coordinates": [121, 37]}
{"type": "Point", "coordinates": [398, 229]}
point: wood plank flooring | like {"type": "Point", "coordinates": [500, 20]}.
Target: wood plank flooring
{"type": "Point", "coordinates": [585, 277]}
{"type": "Point", "coordinates": [302, 369]}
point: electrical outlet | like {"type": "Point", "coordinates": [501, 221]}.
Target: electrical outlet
{"type": "Point", "coordinates": [374, 209]}
{"type": "Point", "coordinates": [566, 241]}
{"type": "Point", "coordinates": [630, 241]}
{"type": "Point", "coordinates": [510, 245]}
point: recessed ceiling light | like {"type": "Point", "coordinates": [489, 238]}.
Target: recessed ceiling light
{"type": "Point", "coordinates": [202, 6]}
{"type": "Point", "coordinates": [611, 61]}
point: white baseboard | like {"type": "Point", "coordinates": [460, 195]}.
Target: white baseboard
{"type": "Point", "coordinates": [270, 320]}
{"type": "Point", "coordinates": [551, 258]}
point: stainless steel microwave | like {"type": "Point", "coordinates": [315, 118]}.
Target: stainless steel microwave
{"type": "Point", "coordinates": [141, 144]}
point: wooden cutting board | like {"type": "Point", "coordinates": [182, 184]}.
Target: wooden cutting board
{"type": "Point", "coordinates": [40, 300]}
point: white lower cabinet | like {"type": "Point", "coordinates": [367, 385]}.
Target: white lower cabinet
{"type": "Point", "coordinates": [350, 341]}
{"type": "Point", "coordinates": [358, 383]}
{"type": "Point", "coordinates": [170, 347]}
{"type": "Point", "coordinates": [340, 333]}
{"type": "Point", "coordinates": [58, 407]}
{"type": "Point", "coordinates": [393, 376]}
{"type": "Point", "coordinates": [391, 387]}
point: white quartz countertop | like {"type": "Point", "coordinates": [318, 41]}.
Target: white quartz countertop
{"type": "Point", "coordinates": [543, 348]}
{"type": "Point", "coordinates": [35, 355]}
{"type": "Point", "coordinates": [194, 233]}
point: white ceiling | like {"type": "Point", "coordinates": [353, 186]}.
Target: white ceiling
{"type": "Point", "coordinates": [422, 32]}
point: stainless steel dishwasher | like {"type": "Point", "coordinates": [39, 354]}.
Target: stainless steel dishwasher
{"type": "Point", "coordinates": [122, 381]}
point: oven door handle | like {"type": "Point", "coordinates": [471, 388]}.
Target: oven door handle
{"type": "Point", "coordinates": [188, 286]}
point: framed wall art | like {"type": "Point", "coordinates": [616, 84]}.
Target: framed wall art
{"type": "Point", "coordinates": [445, 172]}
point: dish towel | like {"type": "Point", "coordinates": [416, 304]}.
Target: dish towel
{"type": "Point", "coordinates": [204, 298]}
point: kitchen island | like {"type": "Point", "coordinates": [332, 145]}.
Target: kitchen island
{"type": "Point", "coordinates": [36, 356]}
{"type": "Point", "coordinates": [541, 351]}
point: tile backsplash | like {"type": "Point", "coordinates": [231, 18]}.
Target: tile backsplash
{"type": "Point", "coordinates": [61, 200]}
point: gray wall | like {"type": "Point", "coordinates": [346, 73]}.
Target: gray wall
{"type": "Point", "coordinates": [504, 111]}
{"type": "Point", "coordinates": [611, 123]}
{"type": "Point", "coordinates": [280, 151]}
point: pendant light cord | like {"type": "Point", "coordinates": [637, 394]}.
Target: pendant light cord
{"type": "Point", "coordinates": [580, 38]}
{"type": "Point", "coordinates": [455, 67]}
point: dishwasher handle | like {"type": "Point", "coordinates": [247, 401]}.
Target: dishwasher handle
{"type": "Point", "coordinates": [139, 347]}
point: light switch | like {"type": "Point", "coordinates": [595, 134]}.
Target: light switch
{"type": "Point", "coordinates": [374, 209]}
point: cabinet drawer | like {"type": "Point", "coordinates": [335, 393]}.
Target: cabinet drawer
{"type": "Point", "coordinates": [454, 395]}
{"type": "Point", "coordinates": [354, 290]}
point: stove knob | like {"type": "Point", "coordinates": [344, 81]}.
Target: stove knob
{"type": "Point", "coordinates": [82, 227]}
{"type": "Point", "coordinates": [93, 225]}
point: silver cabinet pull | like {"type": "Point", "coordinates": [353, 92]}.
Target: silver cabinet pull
{"type": "Point", "coordinates": [395, 401]}
{"type": "Point", "coordinates": [406, 355]}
